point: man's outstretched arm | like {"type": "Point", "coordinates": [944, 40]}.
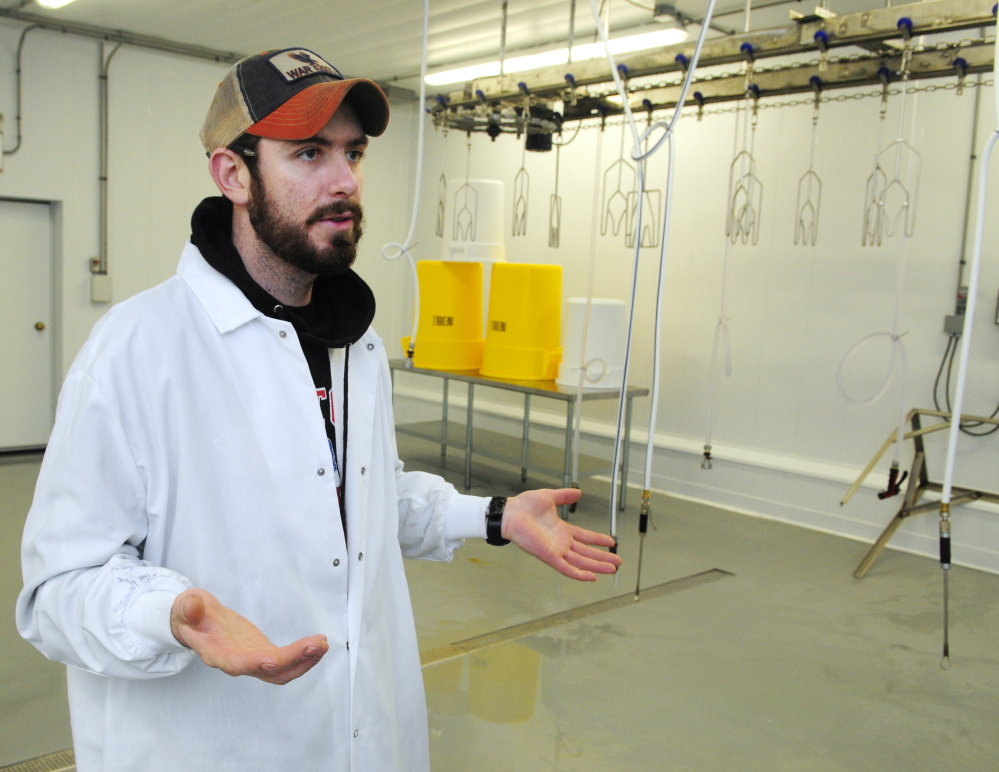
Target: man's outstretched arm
{"type": "Point", "coordinates": [531, 522]}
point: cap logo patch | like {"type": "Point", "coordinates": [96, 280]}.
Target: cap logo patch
{"type": "Point", "coordinates": [297, 63]}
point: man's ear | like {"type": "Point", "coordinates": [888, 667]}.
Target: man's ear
{"type": "Point", "coordinates": [231, 175]}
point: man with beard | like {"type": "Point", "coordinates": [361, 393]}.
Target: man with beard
{"type": "Point", "coordinates": [193, 507]}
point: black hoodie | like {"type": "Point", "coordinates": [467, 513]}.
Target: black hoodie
{"type": "Point", "coordinates": [339, 313]}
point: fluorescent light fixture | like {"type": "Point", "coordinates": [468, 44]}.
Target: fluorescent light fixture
{"type": "Point", "coordinates": [53, 3]}
{"type": "Point", "coordinates": [641, 42]}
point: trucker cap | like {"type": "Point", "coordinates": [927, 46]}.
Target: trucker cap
{"type": "Point", "coordinates": [287, 94]}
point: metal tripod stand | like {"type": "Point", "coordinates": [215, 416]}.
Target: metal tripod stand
{"type": "Point", "coordinates": [919, 481]}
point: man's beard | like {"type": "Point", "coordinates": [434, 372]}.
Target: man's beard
{"type": "Point", "coordinates": [289, 240]}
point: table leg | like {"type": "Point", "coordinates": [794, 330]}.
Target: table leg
{"type": "Point", "coordinates": [468, 439]}
{"type": "Point", "coordinates": [526, 433]}
{"type": "Point", "coordinates": [567, 481]}
{"type": "Point", "coordinates": [625, 452]}
{"type": "Point", "coordinates": [444, 421]}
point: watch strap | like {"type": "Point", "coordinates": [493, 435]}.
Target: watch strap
{"type": "Point", "coordinates": [494, 521]}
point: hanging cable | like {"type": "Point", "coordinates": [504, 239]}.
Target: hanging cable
{"type": "Point", "coordinates": [640, 157]}
{"type": "Point", "coordinates": [584, 363]}
{"type": "Point", "coordinates": [898, 366]}
{"type": "Point", "coordinates": [722, 340]}
{"type": "Point", "coordinates": [962, 374]}
{"type": "Point", "coordinates": [950, 353]}
{"type": "Point", "coordinates": [394, 250]}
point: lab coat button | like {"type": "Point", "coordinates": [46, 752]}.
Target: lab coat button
{"type": "Point", "coordinates": [355, 733]}
{"type": "Point", "coordinates": [283, 334]}
{"type": "Point", "coordinates": [360, 556]}
{"type": "Point", "coordinates": [321, 472]}
{"type": "Point", "coordinates": [371, 347]}
{"type": "Point", "coordinates": [363, 470]}
{"type": "Point", "coordinates": [336, 562]}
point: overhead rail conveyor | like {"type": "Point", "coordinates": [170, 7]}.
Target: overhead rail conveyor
{"type": "Point", "coordinates": [497, 104]}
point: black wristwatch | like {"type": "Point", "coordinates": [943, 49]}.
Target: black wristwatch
{"type": "Point", "coordinates": [494, 521]}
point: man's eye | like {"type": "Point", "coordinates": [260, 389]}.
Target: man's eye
{"type": "Point", "coordinates": [355, 155]}
{"type": "Point", "coordinates": [309, 154]}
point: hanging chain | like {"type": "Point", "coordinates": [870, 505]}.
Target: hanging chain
{"type": "Point", "coordinates": [771, 105]}
{"type": "Point", "coordinates": [757, 70]}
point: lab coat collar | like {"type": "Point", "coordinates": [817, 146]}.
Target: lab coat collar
{"type": "Point", "coordinates": [342, 306]}
{"type": "Point", "coordinates": [224, 302]}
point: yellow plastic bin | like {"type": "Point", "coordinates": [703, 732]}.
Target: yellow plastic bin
{"type": "Point", "coordinates": [449, 335]}
{"type": "Point", "coordinates": [523, 332]}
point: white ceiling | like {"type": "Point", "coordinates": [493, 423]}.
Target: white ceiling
{"type": "Point", "coordinates": [380, 39]}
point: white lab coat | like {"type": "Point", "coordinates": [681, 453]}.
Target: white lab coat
{"type": "Point", "coordinates": [187, 450]}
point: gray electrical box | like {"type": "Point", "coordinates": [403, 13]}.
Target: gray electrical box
{"type": "Point", "coordinates": [100, 288]}
{"type": "Point", "coordinates": [954, 325]}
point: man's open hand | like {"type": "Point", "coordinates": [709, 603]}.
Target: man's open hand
{"type": "Point", "coordinates": [531, 522]}
{"type": "Point", "coordinates": [233, 644]}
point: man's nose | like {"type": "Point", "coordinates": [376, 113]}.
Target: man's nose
{"type": "Point", "coordinates": [343, 178]}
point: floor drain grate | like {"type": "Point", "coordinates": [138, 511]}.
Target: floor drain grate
{"type": "Point", "coordinates": [514, 632]}
{"type": "Point", "coordinates": [63, 761]}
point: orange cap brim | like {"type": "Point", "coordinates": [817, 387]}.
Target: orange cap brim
{"type": "Point", "coordinates": [306, 113]}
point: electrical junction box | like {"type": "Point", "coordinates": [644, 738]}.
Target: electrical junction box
{"type": "Point", "coordinates": [100, 288]}
{"type": "Point", "coordinates": [954, 325]}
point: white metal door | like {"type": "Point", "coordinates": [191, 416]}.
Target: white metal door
{"type": "Point", "coordinates": [26, 334]}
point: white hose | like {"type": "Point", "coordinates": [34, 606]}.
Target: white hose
{"type": "Point", "coordinates": [656, 345]}
{"type": "Point", "coordinates": [639, 156]}
{"type": "Point", "coordinates": [962, 374]}
{"type": "Point", "coordinates": [969, 318]}
{"type": "Point", "coordinates": [584, 364]}
{"type": "Point", "coordinates": [394, 250]}
{"type": "Point", "coordinates": [899, 359]}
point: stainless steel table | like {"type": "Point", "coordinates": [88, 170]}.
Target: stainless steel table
{"type": "Point", "coordinates": [522, 452]}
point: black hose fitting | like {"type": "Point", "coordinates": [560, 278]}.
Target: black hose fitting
{"type": "Point", "coordinates": [945, 536]}
{"type": "Point", "coordinates": [894, 483]}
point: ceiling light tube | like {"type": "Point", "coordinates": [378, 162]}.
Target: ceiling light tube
{"type": "Point", "coordinates": [53, 4]}
{"type": "Point", "coordinates": [630, 44]}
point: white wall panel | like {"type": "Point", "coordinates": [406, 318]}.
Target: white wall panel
{"type": "Point", "coordinates": [795, 311]}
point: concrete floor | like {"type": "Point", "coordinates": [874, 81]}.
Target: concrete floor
{"type": "Point", "coordinates": [789, 664]}
{"type": "Point", "coordinates": [34, 717]}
